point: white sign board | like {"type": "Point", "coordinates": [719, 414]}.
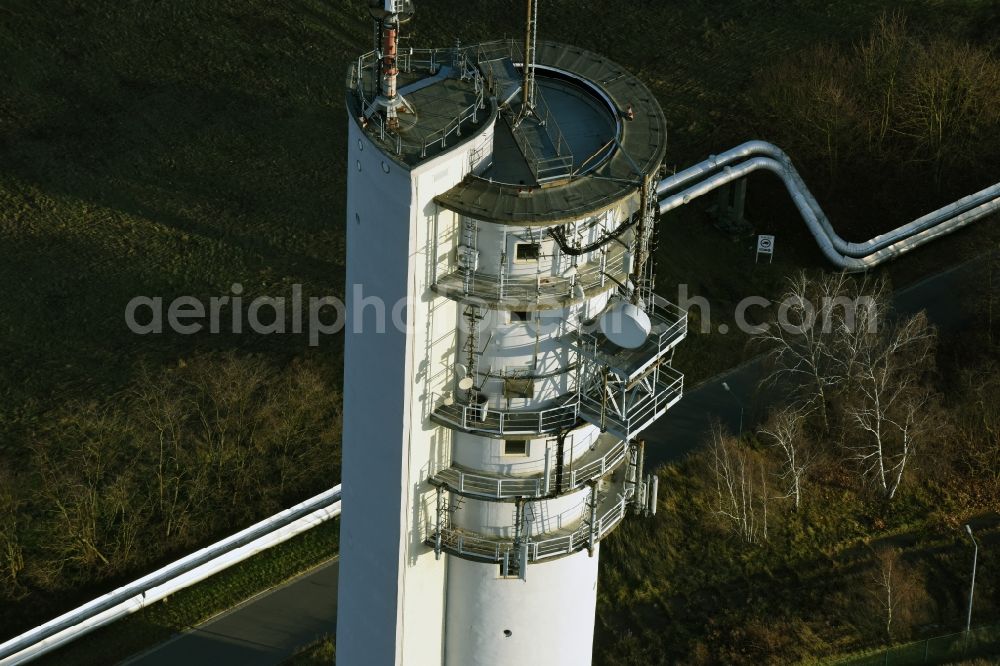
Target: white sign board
{"type": "Point", "coordinates": [765, 245]}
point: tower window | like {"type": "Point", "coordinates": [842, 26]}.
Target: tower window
{"type": "Point", "coordinates": [519, 315]}
{"type": "Point", "coordinates": [515, 447]}
{"type": "Point", "coordinates": [527, 251]}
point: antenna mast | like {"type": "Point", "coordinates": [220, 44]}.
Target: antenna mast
{"type": "Point", "coordinates": [530, 41]}
{"type": "Point", "coordinates": [389, 15]}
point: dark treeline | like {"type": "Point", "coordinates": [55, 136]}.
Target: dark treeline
{"type": "Point", "coordinates": [899, 106]}
{"type": "Point", "coordinates": [183, 455]}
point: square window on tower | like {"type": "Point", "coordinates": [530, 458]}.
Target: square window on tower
{"type": "Point", "coordinates": [519, 316]}
{"type": "Point", "coordinates": [527, 252]}
{"type": "Point", "coordinates": [515, 447]}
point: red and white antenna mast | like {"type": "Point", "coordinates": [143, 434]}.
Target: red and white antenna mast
{"type": "Point", "coordinates": [389, 15]}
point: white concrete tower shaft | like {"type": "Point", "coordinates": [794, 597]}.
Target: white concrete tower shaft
{"type": "Point", "coordinates": [503, 353]}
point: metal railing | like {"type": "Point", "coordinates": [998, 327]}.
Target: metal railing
{"type": "Point", "coordinates": [169, 579]}
{"type": "Point", "coordinates": [408, 61]}
{"type": "Point", "coordinates": [532, 290]}
{"type": "Point", "coordinates": [639, 406]}
{"type": "Point", "coordinates": [508, 487]}
{"type": "Point", "coordinates": [546, 168]}
{"type": "Point", "coordinates": [543, 168]}
{"type": "Point", "coordinates": [490, 487]}
{"type": "Point", "coordinates": [470, 545]}
{"type": "Point", "coordinates": [669, 326]}
{"type": "Point", "coordinates": [485, 420]}
{"type": "Point", "coordinates": [978, 642]}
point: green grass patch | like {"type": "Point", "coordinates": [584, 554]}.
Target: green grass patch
{"type": "Point", "coordinates": [322, 652]}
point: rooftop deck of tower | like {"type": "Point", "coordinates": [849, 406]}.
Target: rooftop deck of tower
{"type": "Point", "coordinates": [445, 89]}
{"type": "Point", "coordinates": [596, 130]}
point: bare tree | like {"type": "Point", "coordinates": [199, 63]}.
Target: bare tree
{"type": "Point", "coordinates": [741, 487]}
{"type": "Point", "coordinates": [887, 561]}
{"type": "Point", "coordinates": [228, 394]}
{"type": "Point", "coordinates": [899, 592]}
{"type": "Point", "coordinates": [815, 101]}
{"type": "Point", "coordinates": [161, 413]}
{"type": "Point", "coordinates": [882, 56]}
{"type": "Point", "coordinates": [786, 429]}
{"type": "Point", "coordinates": [90, 490]}
{"type": "Point", "coordinates": [300, 423]}
{"type": "Point", "coordinates": [891, 409]}
{"type": "Point", "coordinates": [811, 344]}
{"type": "Point", "coordinates": [978, 423]}
{"type": "Point", "coordinates": [950, 102]}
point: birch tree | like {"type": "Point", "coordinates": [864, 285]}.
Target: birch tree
{"type": "Point", "coordinates": [886, 577]}
{"type": "Point", "coordinates": [741, 487]}
{"type": "Point", "coordinates": [891, 410]}
{"type": "Point", "coordinates": [811, 344]}
{"type": "Point", "coordinates": [899, 592]}
{"type": "Point", "coordinates": [785, 429]}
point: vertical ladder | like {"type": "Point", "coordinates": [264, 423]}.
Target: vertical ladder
{"type": "Point", "coordinates": [642, 269]}
{"type": "Point", "coordinates": [502, 291]}
{"type": "Point", "coordinates": [470, 239]}
{"type": "Point", "coordinates": [592, 522]}
{"type": "Point", "coordinates": [441, 515]}
{"type": "Point", "coordinates": [560, 460]}
{"type": "Point", "coordinates": [515, 561]}
{"type": "Point", "coordinates": [473, 315]}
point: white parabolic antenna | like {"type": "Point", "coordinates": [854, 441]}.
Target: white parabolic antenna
{"type": "Point", "coordinates": [465, 383]}
{"type": "Point", "coordinates": [625, 325]}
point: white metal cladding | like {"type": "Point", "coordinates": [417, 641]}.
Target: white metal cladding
{"type": "Point", "coordinates": [611, 508]}
{"type": "Point", "coordinates": [595, 463]}
{"type": "Point", "coordinates": [510, 520]}
{"type": "Point", "coordinates": [546, 619]}
{"type": "Point", "coordinates": [391, 587]}
{"type": "Point", "coordinates": [491, 455]}
{"type": "Point", "coordinates": [482, 419]}
{"type": "Point", "coordinates": [555, 278]}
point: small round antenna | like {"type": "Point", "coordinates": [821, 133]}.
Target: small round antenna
{"type": "Point", "coordinates": [466, 383]}
{"type": "Point", "coordinates": [625, 325]}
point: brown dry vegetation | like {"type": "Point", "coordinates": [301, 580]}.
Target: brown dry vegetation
{"type": "Point", "coordinates": [852, 567]}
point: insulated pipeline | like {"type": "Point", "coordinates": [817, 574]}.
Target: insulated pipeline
{"type": "Point", "coordinates": [737, 163]}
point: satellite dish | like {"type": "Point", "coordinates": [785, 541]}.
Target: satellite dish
{"type": "Point", "coordinates": [579, 293]}
{"type": "Point", "coordinates": [465, 383]}
{"type": "Point", "coordinates": [625, 325]}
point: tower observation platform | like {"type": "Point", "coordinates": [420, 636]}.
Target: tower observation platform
{"type": "Point", "coordinates": [505, 192]}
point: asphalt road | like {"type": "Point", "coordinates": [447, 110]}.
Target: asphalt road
{"type": "Point", "coordinates": [263, 631]}
{"type": "Point", "coordinates": [270, 627]}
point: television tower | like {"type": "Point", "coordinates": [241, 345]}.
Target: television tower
{"type": "Point", "coordinates": [505, 347]}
